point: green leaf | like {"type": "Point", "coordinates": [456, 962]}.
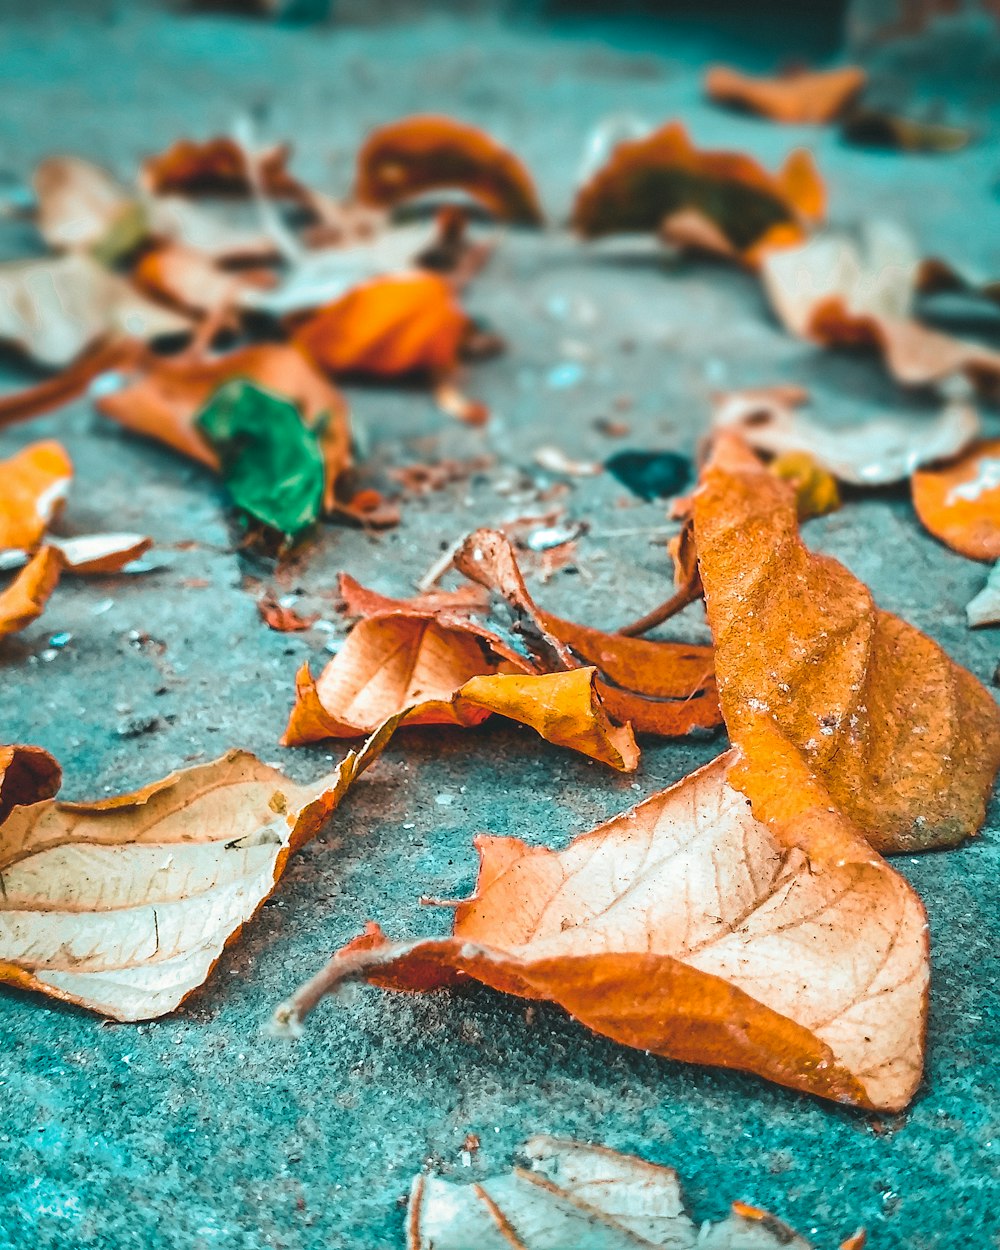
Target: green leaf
{"type": "Point", "coordinates": [272, 463]}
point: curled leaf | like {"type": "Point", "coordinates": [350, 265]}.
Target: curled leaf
{"type": "Point", "coordinates": [217, 166]}
{"type": "Point", "coordinates": [826, 695]}
{"type": "Point", "coordinates": [688, 928]}
{"type": "Point", "coordinates": [580, 1196]}
{"type": "Point", "coordinates": [24, 600]}
{"type": "Point", "coordinates": [959, 502]}
{"type": "Point", "coordinates": [665, 688]}
{"type": "Point", "coordinates": [843, 293]}
{"type": "Point", "coordinates": [27, 775]}
{"type": "Point", "coordinates": [82, 207]}
{"type": "Point", "coordinates": [874, 453]}
{"type": "Point", "coordinates": [816, 96]}
{"type": "Point", "coordinates": [124, 906]}
{"type": "Point", "coordinates": [651, 179]}
{"type": "Point", "coordinates": [55, 308]}
{"type": "Point", "coordinates": [405, 323]}
{"type": "Point", "coordinates": [33, 487]}
{"type": "Point", "coordinates": [426, 153]}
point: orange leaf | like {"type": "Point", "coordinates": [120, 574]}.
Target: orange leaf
{"type": "Point", "coordinates": [827, 696]}
{"type": "Point", "coordinates": [163, 397]}
{"type": "Point", "coordinates": [27, 775]}
{"type": "Point", "coordinates": [400, 324]}
{"type": "Point", "coordinates": [960, 502]}
{"type": "Point", "coordinates": [687, 928]}
{"type": "Point", "coordinates": [665, 688]}
{"type": "Point", "coordinates": [426, 153]}
{"type": "Point", "coordinates": [217, 166]}
{"type": "Point", "coordinates": [25, 598]}
{"type": "Point", "coordinates": [33, 487]}
{"type": "Point", "coordinates": [650, 180]}
{"type": "Point", "coordinates": [190, 280]}
{"type": "Point", "coordinates": [818, 96]}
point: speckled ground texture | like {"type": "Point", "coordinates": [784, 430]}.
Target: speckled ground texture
{"type": "Point", "coordinates": [199, 1130]}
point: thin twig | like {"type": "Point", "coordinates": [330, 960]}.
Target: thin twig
{"type": "Point", "coordinates": [679, 599]}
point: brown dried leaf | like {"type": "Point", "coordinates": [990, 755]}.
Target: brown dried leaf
{"type": "Point", "coordinates": [798, 97]}
{"type": "Point", "coordinates": [688, 928]}
{"type": "Point", "coordinates": [826, 696]}
{"type": "Point", "coordinates": [24, 600]}
{"type": "Point", "coordinates": [574, 1196]}
{"type": "Point", "coordinates": [124, 906]}
{"type": "Point", "coordinates": [27, 775]}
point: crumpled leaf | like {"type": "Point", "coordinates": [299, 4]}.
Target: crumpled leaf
{"type": "Point", "coordinates": [654, 178]}
{"type": "Point", "coordinates": [960, 502]}
{"type": "Point", "coordinates": [217, 166]}
{"type": "Point", "coordinates": [984, 609]}
{"type": "Point", "coordinates": [86, 553]}
{"type": "Point", "coordinates": [162, 398]}
{"type": "Point", "coordinates": [845, 293]}
{"type": "Point", "coordinates": [271, 461]}
{"type": "Point", "coordinates": [55, 308]}
{"type": "Point", "coordinates": [417, 154]}
{"type": "Point", "coordinates": [688, 928]}
{"type": "Point", "coordinates": [575, 1196]}
{"type": "Point", "coordinates": [83, 207]}
{"type": "Point", "coordinates": [123, 906]}
{"type": "Point", "coordinates": [410, 665]}
{"type": "Point", "coordinates": [33, 487]}
{"type": "Point", "coordinates": [874, 453]}
{"type": "Point", "coordinates": [801, 96]}
{"type": "Point", "coordinates": [24, 600]}
{"type": "Point", "coordinates": [666, 688]}
{"type": "Point", "coordinates": [824, 692]}
{"type": "Point", "coordinates": [400, 324]}
{"type": "Point", "coordinates": [27, 775]}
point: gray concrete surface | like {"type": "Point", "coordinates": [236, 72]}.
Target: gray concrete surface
{"type": "Point", "coordinates": [197, 1131]}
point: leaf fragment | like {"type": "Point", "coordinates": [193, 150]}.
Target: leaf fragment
{"type": "Point", "coordinates": [217, 166]}
{"type": "Point", "coordinates": [651, 179]}
{"type": "Point", "coordinates": [123, 906]}
{"type": "Point", "coordinates": [575, 1196]}
{"type": "Point", "coordinates": [27, 775]}
{"type": "Point", "coordinates": [81, 207]}
{"type": "Point", "coordinates": [959, 502]}
{"type": "Point", "coordinates": [418, 154]}
{"type": "Point", "coordinates": [801, 96]}
{"type": "Point", "coordinates": [24, 600]}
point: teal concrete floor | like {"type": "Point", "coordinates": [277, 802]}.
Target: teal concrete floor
{"type": "Point", "coordinates": [199, 1131]}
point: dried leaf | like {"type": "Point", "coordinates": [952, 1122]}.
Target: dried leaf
{"type": "Point", "coordinates": [872, 127]}
{"type": "Point", "coordinates": [53, 392]}
{"type": "Point", "coordinates": [665, 688]}
{"type": "Point", "coordinates": [426, 153]}
{"type": "Point", "coordinates": [406, 323]}
{"type": "Point", "coordinates": [82, 207]}
{"type": "Point", "coordinates": [984, 609]}
{"type": "Point", "coordinates": [53, 309]}
{"type": "Point", "coordinates": [874, 453]}
{"type": "Point", "coordinates": [416, 678]}
{"type": "Point", "coordinates": [574, 1196]}
{"type": "Point", "coordinates": [688, 928]}
{"type": "Point", "coordinates": [271, 461]}
{"type": "Point", "coordinates": [217, 166]}
{"type": "Point", "coordinates": [822, 691]}
{"type": "Point", "coordinates": [124, 906]}
{"type": "Point", "coordinates": [218, 235]}
{"type": "Point", "coordinates": [192, 281]}
{"type": "Point", "coordinates": [798, 97]}
{"type": "Point", "coordinates": [163, 398]}
{"type": "Point", "coordinates": [27, 775]}
{"type": "Point", "coordinates": [841, 293]}
{"type": "Point", "coordinates": [651, 179]}
{"type": "Point", "coordinates": [33, 487]}
{"type": "Point", "coordinates": [279, 617]}
{"type": "Point", "coordinates": [24, 600]}
{"type": "Point", "coordinates": [100, 553]}
{"type": "Point", "coordinates": [960, 502]}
